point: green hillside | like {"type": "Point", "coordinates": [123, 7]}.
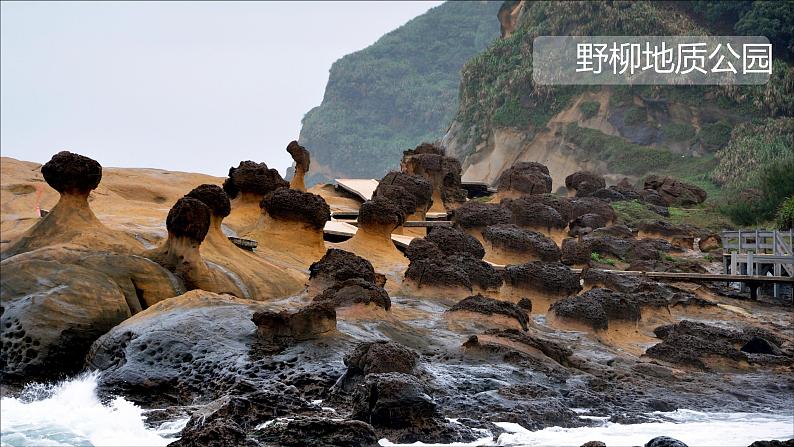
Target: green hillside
{"type": "Point", "coordinates": [396, 93]}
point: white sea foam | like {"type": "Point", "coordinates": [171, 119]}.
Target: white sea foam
{"type": "Point", "coordinates": [694, 428]}
{"type": "Point", "coordinates": [70, 414]}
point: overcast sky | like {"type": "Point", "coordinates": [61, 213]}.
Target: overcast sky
{"type": "Point", "coordinates": [179, 86]}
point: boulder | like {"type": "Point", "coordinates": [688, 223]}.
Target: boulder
{"type": "Point", "coordinates": [516, 241]}
{"type": "Point", "coordinates": [307, 323]}
{"type": "Point", "coordinates": [586, 223]}
{"type": "Point", "coordinates": [354, 291]}
{"type": "Point", "coordinates": [675, 192]}
{"type": "Point", "coordinates": [451, 241]}
{"type": "Point", "coordinates": [534, 215]}
{"type": "Point", "coordinates": [443, 173]}
{"type": "Point", "coordinates": [293, 205]}
{"type": "Point", "coordinates": [584, 183]}
{"type": "Point", "coordinates": [664, 441]}
{"type": "Point", "coordinates": [592, 205]}
{"type": "Point", "coordinates": [70, 173]}
{"type": "Point", "coordinates": [489, 306]}
{"type": "Point", "coordinates": [551, 278]}
{"type": "Point", "coordinates": [393, 400]}
{"type": "Point", "coordinates": [340, 265]}
{"type": "Point", "coordinates": [419, 187]}
{"type": "Point", "coordinates": [524, 178]}
{"type": "Point", "coordinates": [380, 357]}
{"type": "Point", "coordinates": [399, 195]}
{"type": "Point", "coordinates": [473, 215]}
{"type": "Point", "coordinates": [214, 197]}
{"type": "Point", "coordinates": [597, 307]}
{"type": "Point", "coordinates": [313, 431]}
{"type": "Point", "coordinates": [380, 212]}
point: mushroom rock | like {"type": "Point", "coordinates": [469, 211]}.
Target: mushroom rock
{"type": "Point", "coordinates": [71, 220]}
{"type": "Point", "coordinates": [416, 206]}
{"type": "Point", "coordinates": [377, 357]}
{"type": "Point", "coordinates": [551, 348]}
{"type": "Point", "coordinates": [457, 269]}
{"type": "Point", "coordinates": [477, 305]}
{"type": "Point", "coordinates": [596, 308]}
{"type": "Point", "coordinates": [302, 160]}
{"type": "Point", "coordinates": [285, 327]}
{"type": "Point", "coordinates": [443, 173]}
{"type": "Point", "coordinates": [511, 244]}
{"type": "Point", "coordinates": [608, 195]}
{"type": "Point", "coordinates": [262, 278]}
{"type": "Point", "coordinates": [682, 236]}
{"type": "Point", "coordinates": [620, 231]}
{"type": "Point", "coordinates": [536, 216]}
{"type": "Point", "coordinates": [377, 219]}
{"type": "Point", "coordinates": [524, 178]}
{"type": "Point", "coordinates": [472, 217]}
{"type": "Point", "coordinates": [584, 183]}
{"type": "Point", "coordinates": [596, 278]}
{"type": "Point", "coordinates": [543, 282]}
{"type": "Point", "coordinates": [675, 192]}
{"type": "Point", "coordinates": [652, 197]}
{"type": "Point", "coordinates": [585, 224]}
{"type": "Point", "coordinates": [337, 266]}
{"type": "Point", "coordinates": [290, 227]}
{"type": "Point", "coordinates": [407, 202]}
{"type": "Point", "coordinates": [354, 291]}
{"type": "Point", "coordinates": [188, 222]}
{"type": "Point", "coordinates": [452, 241]}
{"type": "Point", "coordinates": [246, 186]}
{"type": "Point", "coordinates": [51, 314]}
{"type": "Point", "coordinates": [592, 205]}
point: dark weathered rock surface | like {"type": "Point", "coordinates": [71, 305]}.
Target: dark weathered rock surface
{"type": "Point", "coordinates": [291, 204]}
{"type": "Point", "coordinates": [490, 306]}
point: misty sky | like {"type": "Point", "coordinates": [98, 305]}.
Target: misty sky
{"type": "Point", "coordinates": [179, 86]}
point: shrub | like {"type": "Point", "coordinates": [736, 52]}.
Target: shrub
{"type": "Point", "coordinates": [589, 109]}
{"type": "Point", "coordinates": [634, 116]}
{"type": "Point", "coordinates": [715, 135]}
{"type": "Point", "coordinates": [678, 131]}
{"type": "Point", "coordinates": [785, 214]}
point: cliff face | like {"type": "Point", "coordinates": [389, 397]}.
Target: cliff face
{"type": "Point", "coordinates": [503, 117]}
{"type": "Point", "coordinates": [398, 92]}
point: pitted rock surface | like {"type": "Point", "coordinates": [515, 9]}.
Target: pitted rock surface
{"type": "Point", "coordinates": [528, 213]}
{"type": "Point", "coordinates": [514, 238]}
{"type": "Point", "coordinates": [525, 178]}
{"type": "Point", "coordinates": [189, 218]}
{"type": "Point", "coordinates": [597, 307]}
{"type": "Point", "coordinates": [299, 155]}
{"type": "Point", "coordinates": [354, 291]}
{"type": "Point", "coordinates": [339, 265]}
{"type": "Point", "coordinates": [252, 177]}
{"type": "Point", "coordinates": [555, 278]}
{"type": "Point", "coordinates": [291, 204]}
{"type": "Point", "coordinates": [214, 197]}
{"type": "Point", "coordinates": [381, 211]}
{"type": "Point", "coordinates": [478, 215]}
{"type": "Point", "coordinates": [70, 173]}
{"type": "Point", "coordinates": [490, 306]}
{"type": "Point", "coordinates": [418, 186]}
{"type": "Point", "coordinates": [452, 241]}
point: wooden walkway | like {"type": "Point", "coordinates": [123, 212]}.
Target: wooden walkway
{"type": "Point", "coordinates": [758, 253]}
{"type": "Point", "coordinates": [362, 188]}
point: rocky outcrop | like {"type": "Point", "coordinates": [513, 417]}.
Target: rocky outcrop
{"type": "Point", "coordinates": [290, 226]}
{"type": "Point", "coordinates": [584, 183]}
{"type": "Point", "coordinates": [524, 178]}
{"type": "Point", "coordinates": [338, 266]}
{"type": "Point", "coordinates": [597, 307]}
{"type": "Point", "coordinates": [698, 344]}
{"type": "Point", "coordinates": [451, 260]}
{"type": "Point", "coordinates": [664, 441]}
{"type": "Point", "coordinates": [675, 192]}
{"type": "Point", "coordinates": [377, 357]}
{"type": "Point", "coordinates": [187, 223]}
{"type": "Point", "coordinates": [354, 291]}
{"type": "Point", "coordinates": [491, 307]}
{"type": "Point", "coordinates": [682, 236]}
{"type": "Point", "coordinates": [586, 224]}
{"type": "Point", "coordinates": [476, 216]}
{"type": "Point", "coordinates": [261, 278]}
{"type": "Point", "coordinates": [377, 219]}
{"type": "Point", "coordinates": [318, 432]}
{"type": "Point", "coordinates": [535, 215]}
{"type": "Point", "coordinates": [302, 159]}
{"type": "Point", "coordinates": [591, 205]}
{"type": "Point", "coordinates": [552, 279]}
{"type": "Point", "coordinates": [285, 327]}
{"type": "Point", "coordinates": [416, 186]}
{"type": "Point", "coordinates": [71, 220]}
{"type": "Point", "coordinates": [510, 244]}
{"type": "Point", "coordinates": [246, 186]}
{"type": "Point", "coordinates": [429, 161]}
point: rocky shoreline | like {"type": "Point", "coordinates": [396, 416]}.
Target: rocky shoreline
{"type": "Point", "coordinates": [308, 342]}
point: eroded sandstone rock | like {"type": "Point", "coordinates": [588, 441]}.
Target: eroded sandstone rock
{"type": "Point", "coordinates": [354, 291]}
{"type": "Point", "coordinates": [302, 160]}
{"type": "Point", "coordinates": [524, 178]}
{"type": "Point", "coordinates": [584, 183]}
{"type": "Point", "coordinates": [489, 306]}
{"type": "Point", "coordinates": [510, 244]}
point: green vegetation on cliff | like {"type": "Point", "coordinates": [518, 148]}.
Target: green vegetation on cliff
{"type": "Point", "coordinates": [398, 92]}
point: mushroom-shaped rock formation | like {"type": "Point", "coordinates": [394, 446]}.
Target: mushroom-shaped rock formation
{"type": "Point", "coordinates": [536, 216]}
{"type": "Point", "coordinates": [682, 236]}
{"type": "Point", "coordinates": [585, 224]}
{"type": "Point", "coordinates": [472, 217]}
{"type": "Point", "coordinates": [449, 260]}
{"type": "Point", "coordinates": [420, 188]}
{"type": "Point", "coordinates": [543, 282]}
{"type": "Point", "coordinates": [675, 192]}
{"type": "Point", "coordinates": [188, 223]}
{"type": "Point", "coordinates": [377, 357]}
{"type": "Point", "coordinates": [708, 347]}
{"type": "Point", "coordinates": [290, 227]}
{"type": "Point", "coordinates": [307, 323]}
{"type": "Point", "coordinates": [596, 308]}
{"type": "Point", "coordinates": [246, 186]}
{"type": "Point", "coordinates": [592, 205]}
{"type": "Point", "coordinates": [393, 400]}
{"type": "Point", "coordinates": [263, 279]}
{"type": "Point", "coordinates": [429, 161]}
{"type": "Point", "coordinates": [584, 183]}
{"type": "Point", "coordinates": [354, 291]}
{"type": "Point", "coordinates": [377, 219]}
{"type": "Point", "coordinates": [302, 161]}
{"type": "Point", "coordinates": [579, 252]}
{"type": "Point", "coordinates": [51, 313]}
{"type": "Point", "coordinates": [511, 244]}
{"type": "Point", "coordinates": [524, 178]}
{"type": "Point", "coordinates": [620, 231]}
{"type": "Point", "coordinates": [337, 266]}
{"type": "Point", "coordinates": [477, 305]}
{"type": "Point", "coordinates": [71, 220]}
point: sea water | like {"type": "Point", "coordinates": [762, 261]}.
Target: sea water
{"type": "Point", "coordinates": [70, 414]}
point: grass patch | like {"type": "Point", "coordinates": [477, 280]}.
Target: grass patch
{"type": "Point", "coordinates": [632, 212]}
{"type": "Point", "coordinates": [635, 116]}
{"type": "Point", "coordinates": [706, 217]}
{"type": "Point", "coordinates": [595, 257]}
{"type": "Point", "coordinates": [678, 131]}
{"type": "Point", "coordinates": [715, 135]}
